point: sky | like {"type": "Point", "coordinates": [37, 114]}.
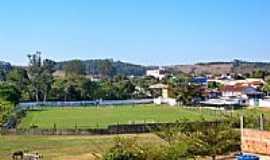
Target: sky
{"type": "Point", "coordinates": [148, 32]}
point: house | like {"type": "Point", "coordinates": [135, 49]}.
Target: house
{"type": "Point", "coordinates": [164, 98]}
{"type": "Point", "coordinates": [163, 87]}
{"type": "Point", "coordinates": [156, 73]}
{"type": "Point", "coordinates": [240, 90]}
{"type": "Point", "coordinates": [236, 94]}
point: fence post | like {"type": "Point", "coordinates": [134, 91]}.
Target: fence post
{"type": "Point", "coordinates": [261, 121]}
{"type": "Point", "coordinates": [242, 131]}
{"type": "Point", "coordinates": [117, 128]}
{"type": "Point", "coordinates": [76, 126]}
{"type": "Point", "coordinates": [54, 128]}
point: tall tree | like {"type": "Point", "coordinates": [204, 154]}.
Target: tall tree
{"type": "Point", "coordinates": [47, 77]}
{"type": "Point", "coordinates": [40, 75]}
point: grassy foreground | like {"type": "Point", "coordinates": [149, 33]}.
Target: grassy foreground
{"type": "Point", "coordinates": [86, 147]}
{"type": "Point", "coordinates": [94, 117]}
{"type": "Point", "coordinates": [65, 147]}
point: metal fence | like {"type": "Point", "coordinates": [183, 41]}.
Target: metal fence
{"type": "Point", "coordinates": [111, 129]}
{"type": "Point", "coordinates": [84, 103]}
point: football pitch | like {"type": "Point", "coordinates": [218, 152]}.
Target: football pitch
{"type": "Point", "coordinates": [102, 116]}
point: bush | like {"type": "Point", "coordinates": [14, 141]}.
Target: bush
{"type": "Point", "coordinates": [182, 141]}
{"type": "Point", "coordinates": [5, 110]}
{"type": "Point", "coordinates": [125, 149]}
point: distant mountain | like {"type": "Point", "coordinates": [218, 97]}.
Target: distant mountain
{"type": "Point", "coordinates": [92, 67]}
{"type": "Point", "coordinates": [236, 66]}
{"type": "Point", "coordinates": [248, 67]}
{"type": "Point", "coordinates": [119, 68]}
{"type": "Point", "coordinates": [216, 68]}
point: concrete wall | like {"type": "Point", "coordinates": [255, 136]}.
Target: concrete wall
{"type": "Point", "coordinates": [256, 141]}
{"type": "Point", "coordinates": [264, 102]}
{"type": "Point", "coordinates": [161, 100]}
{"type": "Point", "coordinates": [85, 103]}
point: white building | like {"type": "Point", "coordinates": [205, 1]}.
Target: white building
{"type": "Point", "coordinates": [164, 98]}
{"type": "Point", "coordinates": [157, 73]}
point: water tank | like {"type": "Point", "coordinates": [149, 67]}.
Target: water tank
{"type": "Point", "coordinates": [248, 157]}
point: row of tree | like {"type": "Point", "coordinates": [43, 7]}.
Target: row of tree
{"type": "Point", "coordinates": [38, 82]}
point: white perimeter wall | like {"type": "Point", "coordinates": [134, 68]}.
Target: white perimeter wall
{"type": "Point", "coordinates": [264, 103]}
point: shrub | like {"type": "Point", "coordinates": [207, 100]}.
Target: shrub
{"type": "Point", "coordinates": [125, 149]}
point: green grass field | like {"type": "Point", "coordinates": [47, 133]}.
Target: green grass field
{"type": "Point", "coordinates": [65, 147]}
{"type": "Point", "coordinates": [94, 117]}
{"type": "Point", "coordinates": [83, 147]}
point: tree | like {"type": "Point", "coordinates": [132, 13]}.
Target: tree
{"type": "Point", "coordinates": [88, 89]}
{"type": "Point", "coordinates": [123, 87]}
{"type": "Point", "coordinates": [184, 91]}
{"type": "Point", "coordinates": [74, 67]}
{"type": "Point", "coordinates": [4, 69]}
{"type": "Point", "coordinates": [19, 78]}
{"type": "Point", "coordinates": [9, 92]}
{"type": "Point", "coordinates": [2, 75]}
{"type": "Point", "coordinates": [71, 88]}
{"type": "Point", "coordinates": [216, 140]}
{"type": "Point", "coordinates": [266, 88]}
{"type": "Point", "coordinates": [142, 85]}
{"type": "Point", "coordinates": [58, 89]}
{"type": "Point", "coordinates": [258, 73]}
{"type": "Point", "coordinates": [200, 139]}
{"type": "Point", "coordinates": [214, 85]}
{"type": "Point", "coordinates": [40, 75]}
{"type": "Point", "coordinates": [5, 110]}
{"type": "Point", "coordinates": [74, 88]}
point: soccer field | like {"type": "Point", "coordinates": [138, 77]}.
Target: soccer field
{"type": "Point", "coordinates": [100, 117]}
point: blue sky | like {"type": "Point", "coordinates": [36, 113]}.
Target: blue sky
{"type": "Point", "coordinates": [151, 32]}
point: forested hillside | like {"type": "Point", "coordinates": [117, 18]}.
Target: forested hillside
{"type": "Point", "coordinates": [96, 67]}
{"type": "Point", "coordinates": [236, 66]}
{"type": "Point", "coordinates": [111, 68]}
{"type": "Point", "coordinates": [249, 67]}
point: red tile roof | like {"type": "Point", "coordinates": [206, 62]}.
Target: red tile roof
{"type": "Point", "coordinates": [234, 88]}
